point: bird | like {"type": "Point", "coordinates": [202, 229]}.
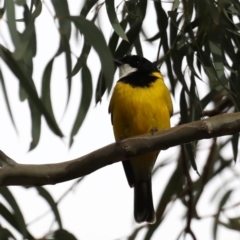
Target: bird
{"type": "Point", "coordinates": [140, 104]}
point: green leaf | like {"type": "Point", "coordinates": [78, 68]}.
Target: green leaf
{"type": "Point", "coordinates": [101, 88]}
{"type": "Point", "coordinates": [27, 44]}
{"type": "Point", "coordinates": [82, 59]}
{"type": "Point", "coordinates": [46, 87]}
{"type": "Point", "coordinates": [36, 124]}
{"type": "Point", "coordinates": [191, 156]}
{"type": "Point", "coordinates": [138, 47]}
{"type": "Point", "coordinates": [162, 19]}
{"type": "Point", "coordinates": [183, 107]}
{"type": "Point", "coordinates": [62, 234]}
{"type": "Point", "coordinates": [68, 60]}
{"type": "Point", "coordinates": [7, 101]}
{"type": "Point", "coordinates": [218, 62]}
{"type": "Point", "coordinates": [177, 59]}
{"type": "Point", "coordinates": [17, 214]}
{"type": "Point", "coordinates": [10, 9]}
{"type": "Point", "coordinates": [175, 5]}
{"type": "Point", "coordinates": [134, 31]}
{"type": "Point", "coordinates": [62, 11]}
{"type": "Point", "coordinates": [87, 91]}
{"type": "Point", "coordinates": [38, 8]}
{"type": "Point", "coordinates": [235, 140]}
{"type": "Point", "coordinates": [190, 61]}
{"type": "Point", "coordinates": [87, 6]}
{"type": "Point", "coordinates": [5, 234]}
{"type": "Point", "coordinates": [8, 216]}
{"type": "Point", "coordinates": [2, 11]}
{"type": "Point", "coordinates": [113, 41]}
{"type": "Point", "coordinates": [96, 39]}
{"type": "Point", "coordinates": [173, 188]}
{"type": "Point", "coordinates": [29, 88]}
{"type": "Point", "coordinates": [209, 97]}
{"type": "Point", "coordinates": [113, 19]}
{"type": "Point", "coordinates": [224, 199]}
{"type": "Point", "coordinates": [47, 196]}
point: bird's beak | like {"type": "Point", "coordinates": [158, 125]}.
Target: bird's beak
{"type": "Point", "coordinates": [118, 63]}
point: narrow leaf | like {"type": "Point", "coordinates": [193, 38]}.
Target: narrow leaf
{"type": "Point", "coordinates": [10, 9]}
{"type": "Point", "coordinates": [30, 89]}
{"type": "Point", "coordinates": [5, 234]}
{"type": "Point", "coordinates": [82, 59]}
{"type": "Point", "coordinates": [95, 37]}
{"type": "Point", "coordinates": [62, 234]}
{"type": "Point", "coordinates": [235, 140]}
{"type": "Point", "coordinates": [87, 6]}
{"type": "Point", "coordinates": [36, 124]}
{"type": "Point", "coordinates": [62, 11]}
{"type": "Point", "coordinates": [38, 8]}
{"type": "Point", "coordinates": [4, 191]}
{"type": "Point", "coordinates": [47, 196]}
{"type": "Point", "coordinates": [191, 156]}
{"type": "Point", "coordinates": [7, 101]}
{"type": "Point", "coordinates": [221, 204]}
{"type": "Point", "coordinates": [85, 102]}
{"type": "Point", "coordinates": [183, 107]}
{"type": "Point", "coordinates": [133, 32]}
{"type": "Point", "coordinates": [46, 87]}
{"type": "Point", "coordinates": [113, 19]}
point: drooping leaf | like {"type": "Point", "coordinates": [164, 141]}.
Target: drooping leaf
{"type": "Point", "coordinates": [10, 10]}
{"type": "Point", "coordinates": [138, 47]}
{"type": "Point", "coordinates": [224, 199]}
{"type": "Point", "coordinates": [173, 188]}
{"type": "Point", "coordinates": [82, 58]}
{"type": "Point", "coordinates": [9, 217]}
{"type": "Point", "coordinates": [96, 39]}
{"type": "Point", "coordinates": [5, 234]}
{"type": "Point", "coordinates": [27, 39]}
{"type": "Point", "coordinates": [183, 107]}
{"type": "Point", "coordinates": [87, 6]}
{"type": "Point", "coordinates": [6, 100]}
{"type": "Point", "coordinates": [46, 87]}
{"type": "Point", "coordinates": [235, 140]}
{"type": "Point", "coordinates": [17, 216]}
{"type": "Point", "coordinates": [36, 124]}
{"type": "Point", "coordinates": [85, 102]}
{"type": "Point", "coordinates": [191, 156]}
{"type": "Point", "coordinates": [133, 32]}
{"type": "Point", "coordinates": [61, 234]}
{"type": "Point", "coordinates": [114, 20]}
{"type": "Point", "coordinates": [38, 8]}
{"type": "Point", "coordinates": [29, 88]}
{"type": "Point", "coordinates": [66, 48]}
{"type": "Point", "coordinates": [49, 199]}
{"type": "Point", "coordinates": [62, 12]}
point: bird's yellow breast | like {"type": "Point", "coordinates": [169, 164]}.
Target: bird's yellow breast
{"type": "Point", "coordinates": [138, 110]}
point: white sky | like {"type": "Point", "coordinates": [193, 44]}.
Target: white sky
{"type": "Point", "coordinates": [101, 207]}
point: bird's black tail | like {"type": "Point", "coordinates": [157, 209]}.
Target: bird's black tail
{"type": "Point", "coordinates": [143, 203]}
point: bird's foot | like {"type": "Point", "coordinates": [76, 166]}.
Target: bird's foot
{"type": "Point", "coordinates": [153, 130]}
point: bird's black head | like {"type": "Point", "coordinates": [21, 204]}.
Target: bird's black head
{"type": "Point", "coordinates": [136, 70]}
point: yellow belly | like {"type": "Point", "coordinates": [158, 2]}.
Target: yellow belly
{"type": "Point", "coordinates": [138, 110]}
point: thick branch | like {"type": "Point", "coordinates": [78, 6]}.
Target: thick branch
{"type": "Point", "coordinates": [13, 173]}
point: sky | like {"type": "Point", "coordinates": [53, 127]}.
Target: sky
{"type": "Point", "coordinates": [101, 206]}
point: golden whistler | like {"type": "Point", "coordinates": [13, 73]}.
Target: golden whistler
{"type": "Point", "coordinates": [140, 104]}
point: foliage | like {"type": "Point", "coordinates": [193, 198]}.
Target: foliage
{"type": "Point", "coordinates": [198, 41]}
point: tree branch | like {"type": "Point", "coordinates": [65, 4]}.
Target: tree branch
{"type": "Point", "coordinates": [12, 173]}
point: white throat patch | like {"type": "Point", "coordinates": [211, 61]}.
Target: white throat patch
{"type": "Point", "coordinates": [125, 70]}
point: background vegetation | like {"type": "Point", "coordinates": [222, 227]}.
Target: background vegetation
{"type": "Point", "coordinates": [198, 41]}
